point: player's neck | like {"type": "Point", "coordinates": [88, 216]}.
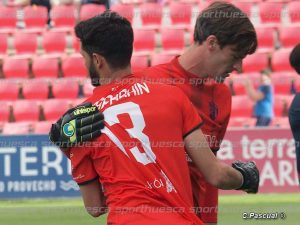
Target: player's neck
{"type": "Point", "coordinates": [116, 74]}
{"type": "Point", "coordinates": [193, 61]}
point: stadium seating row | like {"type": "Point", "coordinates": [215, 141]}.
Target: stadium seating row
{"type": "Point", "coordinates": [54, 41]}
{"type": "Point", "coordinates": [151, 14]}
{"type": "Point", "coordinates": [72, 88]}
{"type": "Point", "coordinates": [39, 89]}
{"type": "Point", "coordinates": [43, 127]}
{"type": "Point", "coordinates": [242, 106]}
{"type": "Point", "coordinates": [282, 82]}
{"type": "Point", "coordinates": [33, 110]}
{"type": "Point", "coordinates": [52, 109]}
{"type": "Point", "coordinates": [49, 66]}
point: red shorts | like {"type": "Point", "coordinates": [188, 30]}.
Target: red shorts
{"type": "Point", "coordinates": [205, 197]}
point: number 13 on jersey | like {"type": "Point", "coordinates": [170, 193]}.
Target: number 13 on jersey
{"type": "Point", "coordinates": [138, 121]}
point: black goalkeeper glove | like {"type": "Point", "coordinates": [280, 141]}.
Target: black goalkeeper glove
{"type": "Point", "coordinates": [77, 125]}
{"type": "Point", "coordinates": [250, 174]}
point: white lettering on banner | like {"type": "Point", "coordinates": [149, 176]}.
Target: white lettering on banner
{"type": "Point", "coordinates": [284, 176]}
{"type": "Point", "coordinates": [29, 157]}
{"type": "Point", "coordinates": [2, 186]}
{"type": "Point", "coordinates": [69, 167]}
{"type": "Point", "coordinates": [56, 164]}
{"type": "Point", "coordinates": [31, 186]}
{"type": "Point", "coordinates": [260, 149]}
{"type": "Point", "coordinates": [7, 159]}
{"type": "Point", "coordinates": [227, 150]}
{"type": "Point", "coordinates": [25, 159]}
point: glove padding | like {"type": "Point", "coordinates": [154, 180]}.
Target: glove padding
{"type": "Point", "coordinates": [250, 174]}
{"type": "Point", "coordinates": [80, 124]}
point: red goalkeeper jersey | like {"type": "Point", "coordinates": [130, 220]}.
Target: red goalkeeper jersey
{"type": "Point", "coordinates": [212, 100]}
{"type": "Point", "coordinates": [140, 158]}
{"type": "Point", "coordinates": [213, 103]}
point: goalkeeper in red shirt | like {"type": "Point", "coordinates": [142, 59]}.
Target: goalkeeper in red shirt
{"type": "Point", "coordinates": [221, 43]}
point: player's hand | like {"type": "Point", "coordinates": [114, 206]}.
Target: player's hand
{"type": "Point", "coordinates": [80, 124]}
{"type": "Point", "coordinates": [250, 174]}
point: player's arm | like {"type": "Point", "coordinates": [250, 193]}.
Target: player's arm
{"type": "Point", "coordinates": [244, 176]}
{"type": "Point", "coordinates": [255, 95]}
{"type": "Point", "coordinates": [93, 198]}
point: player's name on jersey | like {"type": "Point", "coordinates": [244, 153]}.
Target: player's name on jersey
{"type": "Point", "coordinates": [134, 90]}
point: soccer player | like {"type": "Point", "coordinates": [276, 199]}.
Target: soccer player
{"type": "Point", "coordinates": [140, 157]}
{"type": "Point", "coordinates": [294, 111]}
{"type": "Point", "coordinates": [223, 36]}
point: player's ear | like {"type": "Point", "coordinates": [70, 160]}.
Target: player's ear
{"type": "Point", "coordinates": [98, 60]}
{"type": "Point", "coordinates": [212, 42]}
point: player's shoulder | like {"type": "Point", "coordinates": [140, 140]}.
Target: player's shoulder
{"type": "Point", "coordinates": [166, 91]}
{"type": "Point", "coordinates": [222, 88]}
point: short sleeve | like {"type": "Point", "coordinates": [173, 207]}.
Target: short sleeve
{"type": "Point", "coordinates": [83, 170]}
{"type": "Point", "coordinates": [191, 118]}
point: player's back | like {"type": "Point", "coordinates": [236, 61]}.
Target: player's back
{"type": "Point", "coordinates": [141, 163]}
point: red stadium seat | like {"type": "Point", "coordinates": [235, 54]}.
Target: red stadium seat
{"type": "Point", "coordinates": [90, 10]}
{"type": "Point", "coordinates": [270, 13]}
{"type": "Point", "coordinates": [54, 42]}
{"type": "Point", "coordinates": [139, 62]}
{"type": "Point", "coordinates": [242, 122]}
{"type": "Point", "coordinates": [54, 108]}
{"type": "Point", "coordinates": [172, 40]}
{"type": "Point", "coordinates": [124, 10]}
{"type": "Point", "coordinates": [293, 10]}
{"type": "Point", "coordinates": [76, 43]}
{"type": "Point", "coordinates": [45, 67]}
{"type": "Point", "coordinates": [88, 88]}
{"type": "Point", "coordinates": [9, 89]}
{"type": "Point", "coordinates": [144, 41]}
{"type": "Point", "coordinates": [242, 106]}
{"type": "Point", "coordinates": [289, 36]}
{"type": "Point", "coordinates": [245, 6]}
{"type": "Point", "coordinates": [35, 17]}
{"type": "Point", "coordinates": [73, 66]}
{"type": "Point", "coordinates": [77, 102]}
{"type": "Point", "coordinates": [282, 82]}
{"type": "Point", "coordinates": [42, 127]}
{"type": "Point", "coordinates": [151, 15]}
{"type": "Point", "coordinates": [131, 1]}
{"type": "Point", "coordinates": [63, 17]}
{"type": "Point", "coordinates": [3, 45]}
{"type": "Point", "coordinates": [265, 38]}
{"type": "Point", "coordinates": [282, 122]}
{"type": "Point", "coordinates": [180, 14]}
{"type": "Point", "coordinates": [278, 105]}
{"type": "Point", "coordinates": [17, 128]}
{"type": "Point", "coordinates": [238, 84]}
{"type": "Point", "coordinates": [254, 77]}
{"type": "Point", "coordinates": [280, 60]}
{"type": "Point", "coordinates": [161, 58]}
{"type": "Point", "coordinates": [35, 89]}
{"type": "Point", "coordinates": [8, 19]}
{"type": "Point", "coordinates": [26, 110]}
{"type": "Point", "coordinates": [65, 88]}
{"type": "Point", "coordinates": [25, 42]}
{"type": "Point", "coordinates": [4, 111]}
{"type": "Point", "coordinates": [255, 62]}
{"type": "Point", "coordinates": [15, 67]}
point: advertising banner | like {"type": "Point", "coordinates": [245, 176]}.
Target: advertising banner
{"type": "Point", "coordinates": [31, 167]}
{"type": "Point", "coordinates": [273, 150]}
